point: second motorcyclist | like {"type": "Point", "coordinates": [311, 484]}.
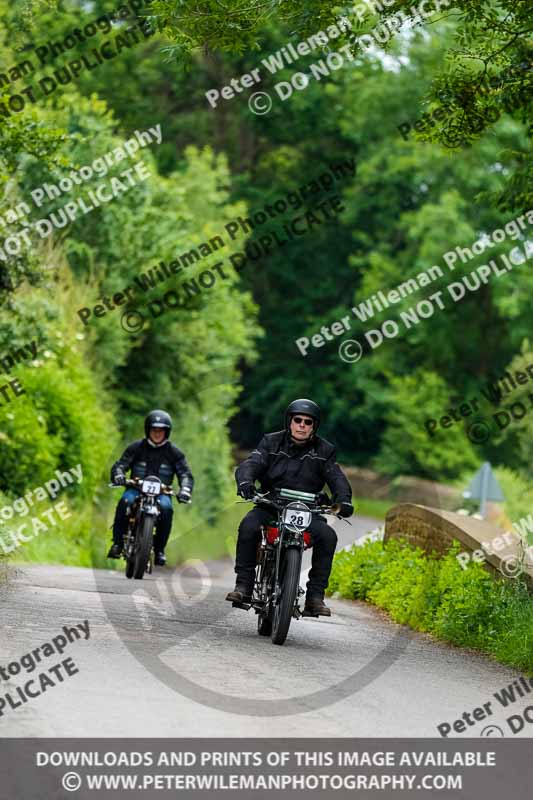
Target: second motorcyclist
{"type": "Point", "coordinates": [153, 455]}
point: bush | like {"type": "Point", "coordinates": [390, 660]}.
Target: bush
{"type": "Point", "coordinates": [466, 607]}
{"type": "Point", "coordinates": [406, 587]}
{"type": "Point", "coordinates": [58, 423]}
{"type": "Point", "coordinates": [357, 570]}
{"type": "Point", "coordinates": [64, 419]}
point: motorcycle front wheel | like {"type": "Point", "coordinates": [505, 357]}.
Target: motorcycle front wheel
{"type": "Point", "coordinates": [289, 582]}
{"type": "Point", "coordinates": [130, 558]}
{"type": "Point", "coordinates": [143, 546]}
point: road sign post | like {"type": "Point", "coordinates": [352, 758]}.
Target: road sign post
{"type": "Point", "coordinates": [484, 486]}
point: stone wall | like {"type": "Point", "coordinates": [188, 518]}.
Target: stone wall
{"type": "Point", "coordinates": [403, 489]}
{"type": "Point", "coordinates": [434, 530]}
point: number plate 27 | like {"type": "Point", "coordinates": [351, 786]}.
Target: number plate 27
{"type": "Point", "coordinates": [151, 487]}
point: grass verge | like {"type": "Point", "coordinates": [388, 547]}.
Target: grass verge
{"type": "Point", "coordinates": [368, 507]}
{"type": "Point", "coordinates": [466, 607]}
{"type": "Point", "coordinates": [84, 538]}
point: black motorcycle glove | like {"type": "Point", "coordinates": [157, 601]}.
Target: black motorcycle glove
{"type": "Point", "coordinates": [119, 479]}
{"type": "Point", "coordinates": [346, 510]}
{"type": "Point", "coordinates": [184, 495]}
{"type": "Point", "coordinates": [246, 490]}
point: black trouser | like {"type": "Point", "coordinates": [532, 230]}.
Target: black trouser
{"type": "Point", "coordinates": [323, 538]}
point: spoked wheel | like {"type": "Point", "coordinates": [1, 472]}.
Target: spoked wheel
{"type": "Point", "coordinates": [289, 582]}
{"type": "Point", "coordinates": [143, 546]}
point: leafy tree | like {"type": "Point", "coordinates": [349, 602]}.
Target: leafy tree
{"type": "Point", "coordinates": [185, 360]}
{"type": "Point", "coordinates": [411, 446]}
{"type": "Point", "coordinates": [514, 420]}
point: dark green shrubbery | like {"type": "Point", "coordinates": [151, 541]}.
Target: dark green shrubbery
{"type": "Point", "coordinates": [61, 421]}
{"type": "Point", "coordinates": [464, 606]}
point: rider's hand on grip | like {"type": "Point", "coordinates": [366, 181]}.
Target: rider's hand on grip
{"type": "Point", "coordinates": [246, 490]}
{"type": "Point", "coordinates": [119, 479]}
{"type": "Point", "coordinates": [345, 510]}
{"type": "Point", "coordinates": [184, 496]}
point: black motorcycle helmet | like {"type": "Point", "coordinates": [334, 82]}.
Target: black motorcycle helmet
{"type": "Point", "coordinates": [303, 406]}
{"type": "Point", "coordinates": [158, 419]}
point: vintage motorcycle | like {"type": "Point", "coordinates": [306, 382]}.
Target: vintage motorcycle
{"type": "Point", "coordinates": [142, 519]}
{"type": "Point", "coordinates": [277, 589]}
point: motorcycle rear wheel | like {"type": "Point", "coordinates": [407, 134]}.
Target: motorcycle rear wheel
{"type": "Point", "coordinates": [289, 582]}
{"type": "Point", "coordinates": [143, 546]}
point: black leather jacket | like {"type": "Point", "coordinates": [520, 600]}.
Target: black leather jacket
{"type": "Point", "coordinates": [165, 462]}
{"type": "Point", "coordinates": [279, 463]}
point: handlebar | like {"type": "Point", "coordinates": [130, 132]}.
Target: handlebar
{"type": "Point", "coordinates": [317, 509]}
{"type": "Point", "coordinates": [134, 483]}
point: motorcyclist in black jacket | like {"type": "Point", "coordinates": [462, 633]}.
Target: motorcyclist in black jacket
{"type": "Point", "coordinates": [153, 455]}
{"type": "Point", "coordinates": [294, 458]}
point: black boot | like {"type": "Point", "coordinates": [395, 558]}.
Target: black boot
{"type": "Point", "coordinates": [315, 607]}
{"type": "Point", "coordinates": [242, 592]}
{"type": "Point", "coordinates": [115, 551]}
{"type": "Point", "coordinates": [160, 559]}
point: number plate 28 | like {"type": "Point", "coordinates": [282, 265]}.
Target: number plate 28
{"type": "Point", "coordinates": [297, 518]}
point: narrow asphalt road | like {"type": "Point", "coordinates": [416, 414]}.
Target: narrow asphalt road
{"type": "Point", "coordinates": [168, 657]}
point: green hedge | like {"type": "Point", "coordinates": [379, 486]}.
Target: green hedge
{"type": "Point", "coordinates": [64, 419]}
{"type": "Point", "coordinates": [466, 607]}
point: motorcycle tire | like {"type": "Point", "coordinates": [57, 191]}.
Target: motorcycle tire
{"type": "Point", "coordinates": [143, 546]}
{"type": "Point", "coordinates": [289, 582]}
